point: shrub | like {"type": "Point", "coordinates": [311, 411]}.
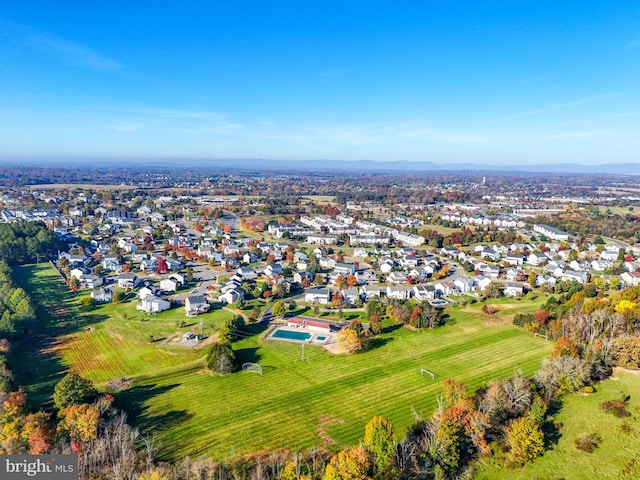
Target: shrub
{"type": "Point", "coordinates": [617, 408]}
{"type": "Point", "coordinates": [587, 442]}
{"type": "Point", "coordinates": [588, 389]}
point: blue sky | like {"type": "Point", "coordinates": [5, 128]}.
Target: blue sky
{"type": "Point", "coordinates": [479, 81]}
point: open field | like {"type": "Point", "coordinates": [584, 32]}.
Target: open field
{"type": "Point", "coordinates": [615, 458]}
{"type": "Point", "coordinates": [101, 342]}
{"type": "Point", "coordinates": [325, 400]}
{"type": "Point", "coordinates": [320, 199]}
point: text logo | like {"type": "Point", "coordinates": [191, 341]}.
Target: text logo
{"type": "Point", "coordinates": [50, 467]}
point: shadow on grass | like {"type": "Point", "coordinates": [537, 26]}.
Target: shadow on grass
{"type": "Point", "coordinates": [377, 342]}
{"type": "Point", "coordinates": [251, 329]}
{"type": "Point", "coordinates": [447, 319]}
{"type": "Point", "coordinates": [391, 328]}
{"type": "Point", "coordinates": [552, 430]}
{"type": "Point", "coordinates": [244, 355]}
{"type": "Point", "coordinates": [134, 402]}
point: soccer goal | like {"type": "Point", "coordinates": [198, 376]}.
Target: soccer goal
{"type": "Point", "coordinates": [428, 372]}
{"type": "Point", "coordinates": [252, 367]}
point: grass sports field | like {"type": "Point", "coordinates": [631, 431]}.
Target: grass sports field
{"type": "Point", "coordinates": [325, 400]}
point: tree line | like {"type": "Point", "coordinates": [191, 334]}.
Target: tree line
{"type": "Point", "coordinates": [27, 242]}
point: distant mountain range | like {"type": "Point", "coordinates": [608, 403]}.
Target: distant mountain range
{"type": "Point", "coordinates": [336, 165]}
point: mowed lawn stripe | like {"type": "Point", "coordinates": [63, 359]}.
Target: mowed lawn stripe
{"type": "Point", "coordinates": [294, 404]}
{"type": "Point", "coordinates": [283, 407]}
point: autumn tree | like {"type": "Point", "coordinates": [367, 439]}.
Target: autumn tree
{"type": "Point", "coordinates": [525, 440]}
{"type": "Point", "coordinates": [352, 464]}
{"type": "Point", "coordinates": [350, 340]}
{"type": "Point", "coordinates": [380, 440]}
{"type": "Point", "coordinates": [79, 422]}
{"type": "Point", "coordinates": [376, 324]}
{"type": "Point", "coordinates": [72, 390]}
{"type": "Point", "coordinates": [278, 309]}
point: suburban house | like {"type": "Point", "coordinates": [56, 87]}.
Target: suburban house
{"type": "Point", "coordinates": [420, 274]}
{"type": "Point", "coordinates": [580, 277]}
{"type": "Point", "coordinates": [327, 263]}
{"type": "Point", "coordinates": [147, 291]}
{"type": "Point", "coordinates": [542, 280]}
{"type": "Point", "coordinates": [424, 292]}
{"type": "Point", "coordinates": [111, 263]}
{"type": "Point", "coordinates": [173, 264]}
{"type": "Point", "coordinates": [179, 278]}
{"type": "Point", "coordinates": [247, 273]}
{"type": "Point", "coordinates": [537, 259]}
{"type": "Point", "coordinates": [344, 269]}
{"type": "Point", "coordinates": [446, 288]}
{"type": "Point", "coordinates": [149, 265]}
{"type": "Point", "coordinates": [317, 295]}
{"type": "Point", "coordinates": [91, 281]}
{"type": "Point", "coordinates": [464, 284]}
{"type": "Point", "coordinates": [514, 259]}
{"type": "Point", "coordinates": [513, 289]}
{"type": "Point", "coordinates": [272, 270]}
{"type": "Point", "coordinates": [168, 285]}
{"type": "Point", "coordinates": [482, 282]}
{"type": "Point", "coordinates": [372, 291]}
{"type": "Point", "coordinates": [102, 295]}
{"type": "Point", "coordinates": [128, 281]}
{"type": "Point", "coordinates": [399, 292]}
{"type": "Point", "coordinates": [351, 295]}
{"type": "Point", "coordinates": [300, 276]}
{"type": "Point", "coordinates": [152, 304]}
{"type": "Point", "coordinates": [397, 278]}
{"type": "Point", "coordinates": [630, 279]}
{"type": "Point", "coordinates": [231, 295]}
{"type": "Point", "coordinates": [196, 304]}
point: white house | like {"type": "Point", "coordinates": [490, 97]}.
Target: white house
{"type": "Point", "coordinates": [372, 291]}
{"type": "Point", "coordinates": [424, 292]}
{"type": "Point", "coordinates": [351, 295]}
{"type": "Point", "coordinates": [397, 278]}
{"type": "Point", "coordinates": [464, 284]}
{"type": "Point", "coordinates": [231, 295]}
{"type": "Point", "coordinates": [102, 295]}
{"type": "Point", "coordinates": [247, 273]}
{"type": "Point", "coordinates": [482, 281]}
{"type": "Point", "coordinates": [513, 289]}
{"type": "Point", "coordinates": [128, 281]}
{"type": "Point", "coordinates": [399, 292]}
{"type": "Point", "coordinates": [317, 295]}
{"type": "Point", "coordinates": [90, 281]}
{"type": "Point", "coordinates": [386, 266]}
{"type": "Point", "coordinates": [153, 304]}
{"type": "Point", "coordinates": [630, 279]}
{"type": "Point", "coordinates": [168, 285]}
{"type": "Point", "coordinates": [196, 304]}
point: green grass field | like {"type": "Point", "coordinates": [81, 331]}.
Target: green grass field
{"type": "Point", "coordinates": [325, 400]}
{"type": "Point", "coordinates": [615, 458]}
{"type": "Point", "coordinates": [102, 343]}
